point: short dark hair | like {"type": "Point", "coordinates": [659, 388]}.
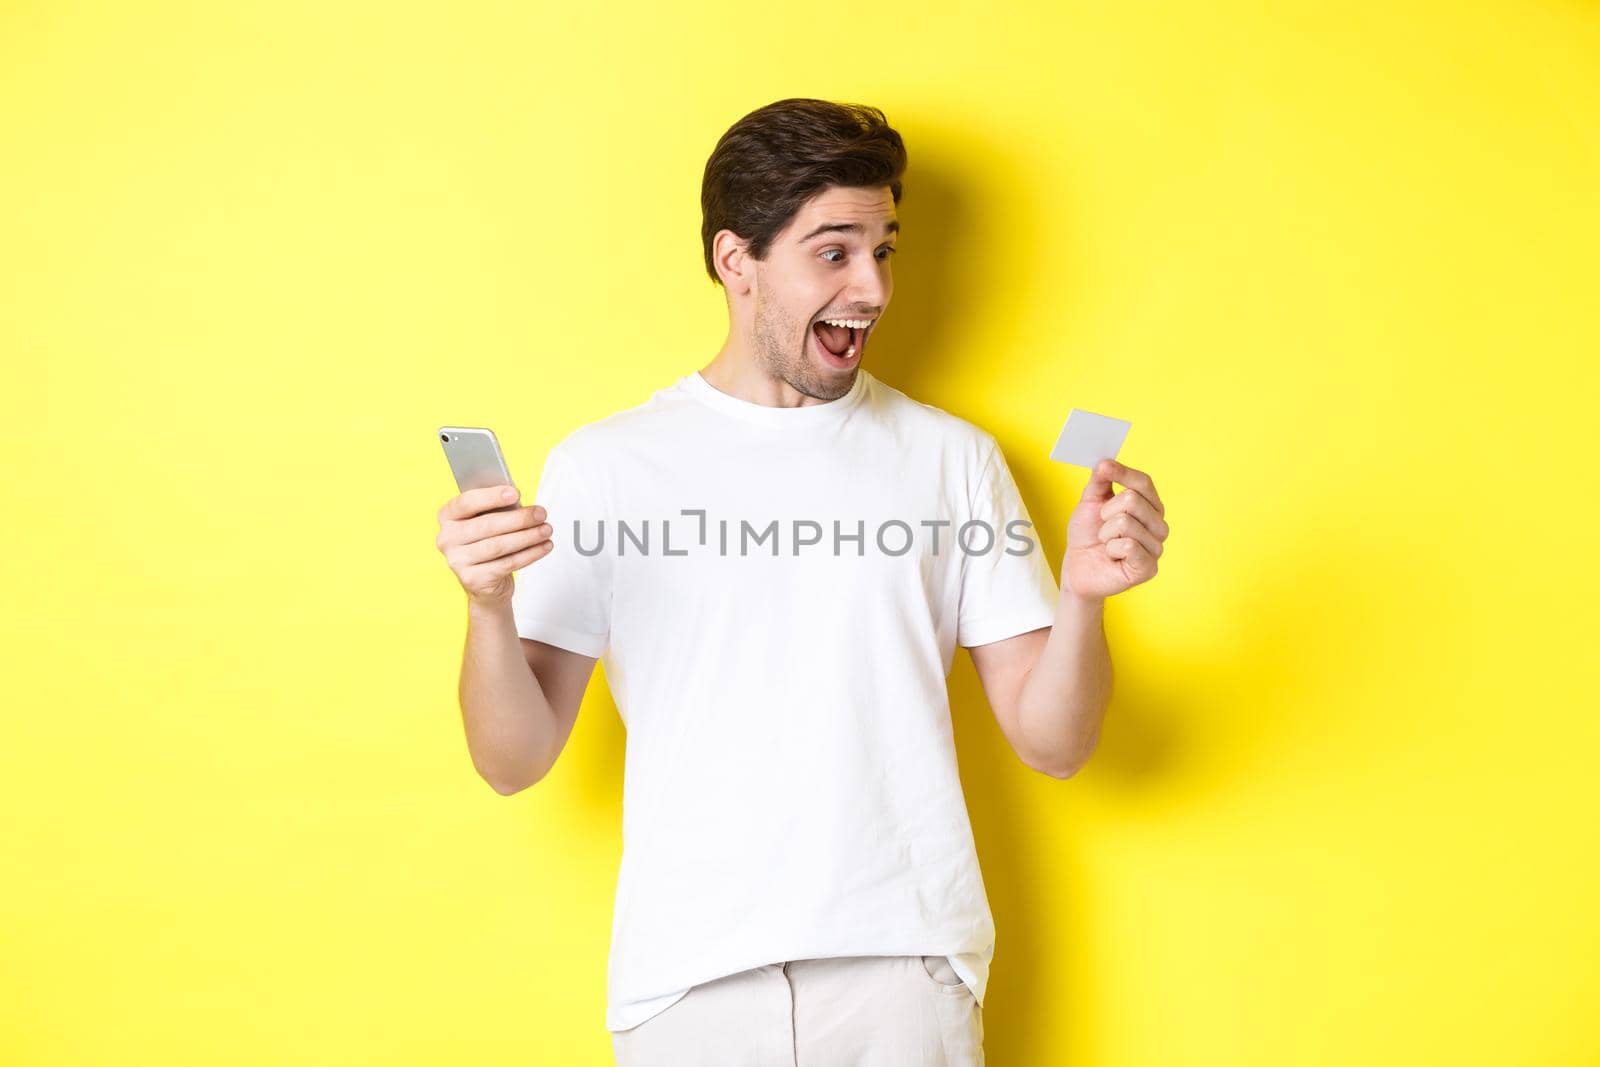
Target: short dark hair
{"type": "Point", "coordinates": [777, 157]}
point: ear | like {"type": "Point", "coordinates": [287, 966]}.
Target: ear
{"type": "Point", "coordinates": [730, 254]}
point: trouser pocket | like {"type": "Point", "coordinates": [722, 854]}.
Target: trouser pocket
{"type": "Point", "coordinates": [942, 974]}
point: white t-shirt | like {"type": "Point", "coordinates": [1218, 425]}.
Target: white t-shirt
{"type": "Point", "coordinates": [790, 787]}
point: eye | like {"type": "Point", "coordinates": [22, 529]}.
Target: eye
{"type": "Point", "coordinates": [890, 249]}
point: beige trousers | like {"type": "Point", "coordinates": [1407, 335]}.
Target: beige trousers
{"type": "Point", "coordinates": [865, 1011]}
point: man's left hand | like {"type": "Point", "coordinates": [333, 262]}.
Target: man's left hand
{"type": "Point", "coordinates": [1113, 539]}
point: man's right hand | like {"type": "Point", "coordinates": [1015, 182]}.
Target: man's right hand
{"type": "Point", "coordinates": [484, 544]}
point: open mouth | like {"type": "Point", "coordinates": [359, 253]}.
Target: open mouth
{"type": "Point", "coordinates": [840, 341]}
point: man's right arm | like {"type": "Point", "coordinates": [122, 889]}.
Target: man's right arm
{"type": "Point", "coordinates": [519, 697]}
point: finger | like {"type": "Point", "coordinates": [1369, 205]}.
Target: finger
{"type": "Point", "coordinates": [477, 501]}
{"type": "Point", "coordinates": [506, 544]}
{"type": "Point", "coordinates": [528, 555]}
{"type": "Point", "coordinates": [1126, 526]}
{"type": "Point", "coordinates": [491, 523]}
{"type": "Point", "coordinates": [521, 559]}
{"type": "Point", "coordinates": [1132, 502]}
{"type": "Point", "coordinates": [1099, 488]}
{"type": "Point", "coordinates": [1137, 479]}
{"type": "Point", "coordinates": [1133, 553]}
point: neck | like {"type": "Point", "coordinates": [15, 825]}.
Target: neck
{"type": "Point", "coordinates": [736, 371]}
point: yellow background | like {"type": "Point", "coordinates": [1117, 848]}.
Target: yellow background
{"type": "Point", "coordinates": [1337, 263]}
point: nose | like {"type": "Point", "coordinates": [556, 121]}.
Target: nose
{"type": "Point", "coordinates": [870, 284]}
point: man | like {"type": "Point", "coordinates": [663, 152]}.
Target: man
{"type": "Point", "coordinates": [776, 556]}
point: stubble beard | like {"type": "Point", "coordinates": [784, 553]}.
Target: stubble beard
{"type": "Point", "coordinates": [772, 341]}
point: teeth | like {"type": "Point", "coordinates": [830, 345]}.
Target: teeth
{"type": "Point", "coordinates": [855, 324]}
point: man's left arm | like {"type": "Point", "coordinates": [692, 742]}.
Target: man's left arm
{"type": "Point", "coordinates": [1049, 687]}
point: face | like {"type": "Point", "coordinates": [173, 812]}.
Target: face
{"type": "Point", "coordinates": [830, 262]}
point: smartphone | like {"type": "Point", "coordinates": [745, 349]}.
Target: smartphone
{"type": "Point", "coordinates": [475, 459]}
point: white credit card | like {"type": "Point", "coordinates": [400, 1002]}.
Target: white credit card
{"type": "Point", "coordinates": [1088, 438]}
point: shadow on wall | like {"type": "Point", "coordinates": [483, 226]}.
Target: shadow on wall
{"type": "Point", "coordinates": [1196, 721]}
{"type": "Point", "coordinates": [953, 232]}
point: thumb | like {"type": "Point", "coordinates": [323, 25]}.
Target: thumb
{"type": "Point", "coordinates": [1099, 488]}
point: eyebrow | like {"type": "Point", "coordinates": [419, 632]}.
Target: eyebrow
{"type": "Point", "coordinates": [846, 227]}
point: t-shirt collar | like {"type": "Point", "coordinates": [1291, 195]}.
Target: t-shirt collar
{"type": "Point", "coordinates": [807, 415]}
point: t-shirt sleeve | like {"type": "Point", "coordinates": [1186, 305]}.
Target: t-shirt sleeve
{"type": "Point", "coordinates": [1004, 591]}
{"type": "Point", "coordinates": [564, 597]}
